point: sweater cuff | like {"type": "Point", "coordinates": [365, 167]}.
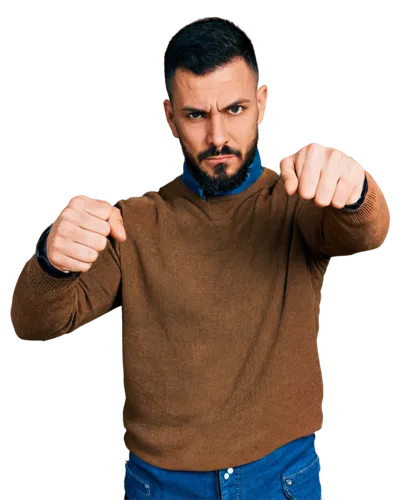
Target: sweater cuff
{"type": "Point", "coordinates": [41, 256]}
{"type": "Point", "coordinates": [360, 200]}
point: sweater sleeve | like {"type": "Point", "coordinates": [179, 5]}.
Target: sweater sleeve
{"type": "Point", "coordinates": [45, 307]}
{"type": "Point", "coordinates": [331, 231]}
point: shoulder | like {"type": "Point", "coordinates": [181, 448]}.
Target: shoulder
{"type": "Point", "coordinates": [140, 211]}
{"type": "Point", "coordinates": [136, 204]}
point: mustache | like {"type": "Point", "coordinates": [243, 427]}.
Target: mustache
{"type": "Point", "coordinates": [213, 151]}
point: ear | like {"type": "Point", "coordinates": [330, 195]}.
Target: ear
{"type": "Point", "coordinates": [169, 114]}
{"type": "Point", "coordinates": [261, 102]}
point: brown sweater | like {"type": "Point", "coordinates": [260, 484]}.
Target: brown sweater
{"type": "Point", "coordinates": [220, 304]}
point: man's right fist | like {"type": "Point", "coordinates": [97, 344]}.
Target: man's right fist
{"type": "Point", "coordinates": [80, 233]}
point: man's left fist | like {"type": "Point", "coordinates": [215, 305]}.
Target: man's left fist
{"type": "Point", "coordinates": [325, 174]}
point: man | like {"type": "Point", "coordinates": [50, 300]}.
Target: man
{"type": "Point", "coordinates": [219, 276]}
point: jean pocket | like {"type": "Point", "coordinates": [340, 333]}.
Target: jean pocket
{"type": "Point", "coordinates": [303, 484]}
{"type": "Point", "coordinates": [136, 488]}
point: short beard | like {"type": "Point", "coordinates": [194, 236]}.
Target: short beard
{"type": "Point", "coordinates": [223, 182]}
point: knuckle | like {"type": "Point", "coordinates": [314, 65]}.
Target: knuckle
{"type": "Point", "coordinates": [55, 246]}
{"type": "Point", "coordinates": [110, 209]}
{"type": "Point", "coordinates": [102, 208]}
{"type": "Point", "coordinates": [64, 228]}
{"type": "Point", "coordinates": [66, 223]}
{"type": "Point", "coordinates": [55, 258]}
{"type": "Point", "coordinates": [77, 201]}
{"type": "Point", "coordinates": [103, 243]}
{"type": "Point", "coordinates": [67, 213]}
{"type": "Point", "coordinates": [107, 229]}
{"type": "Point", "coordinates": [105, 206]}
{"type": "Point", "coordinates": [85, 267]}
{"type": "Point", "coordinates": [335, 153]}
{"type": "Point", "coordinates": [101, 229]}
{"type": "Point", "coordinates": [92, 254]}
{"type": "Point", "coordinates": [320, 202]}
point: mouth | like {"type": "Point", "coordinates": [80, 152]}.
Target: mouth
{"type": "Point", "coordinates": [217, 159]}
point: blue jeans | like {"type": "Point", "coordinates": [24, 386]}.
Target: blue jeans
{"type": "Point", "coordinates": [289, 472]}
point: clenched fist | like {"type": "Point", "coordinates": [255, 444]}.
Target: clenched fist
{"type": "Point", "coordinates": [325, 174]}
{"type": "Point", "coordinates": [80, 233]}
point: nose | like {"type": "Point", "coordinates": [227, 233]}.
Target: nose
{"type": "Point", "coordinates": [217, 133]}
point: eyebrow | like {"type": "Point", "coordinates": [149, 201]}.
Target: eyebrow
{"type": "Point", "coordinates": [197, 110]}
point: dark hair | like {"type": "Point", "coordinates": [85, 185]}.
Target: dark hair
{"type": "Point", "coordinates": [204, 45]}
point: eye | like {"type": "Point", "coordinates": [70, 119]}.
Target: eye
{"type": "Point", "coordinates": [193, 113]}
{"type": "Point", "coordinates": [237, 109]}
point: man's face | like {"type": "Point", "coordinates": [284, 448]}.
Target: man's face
{"type": "Point", "coordinates": [209, 121]}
